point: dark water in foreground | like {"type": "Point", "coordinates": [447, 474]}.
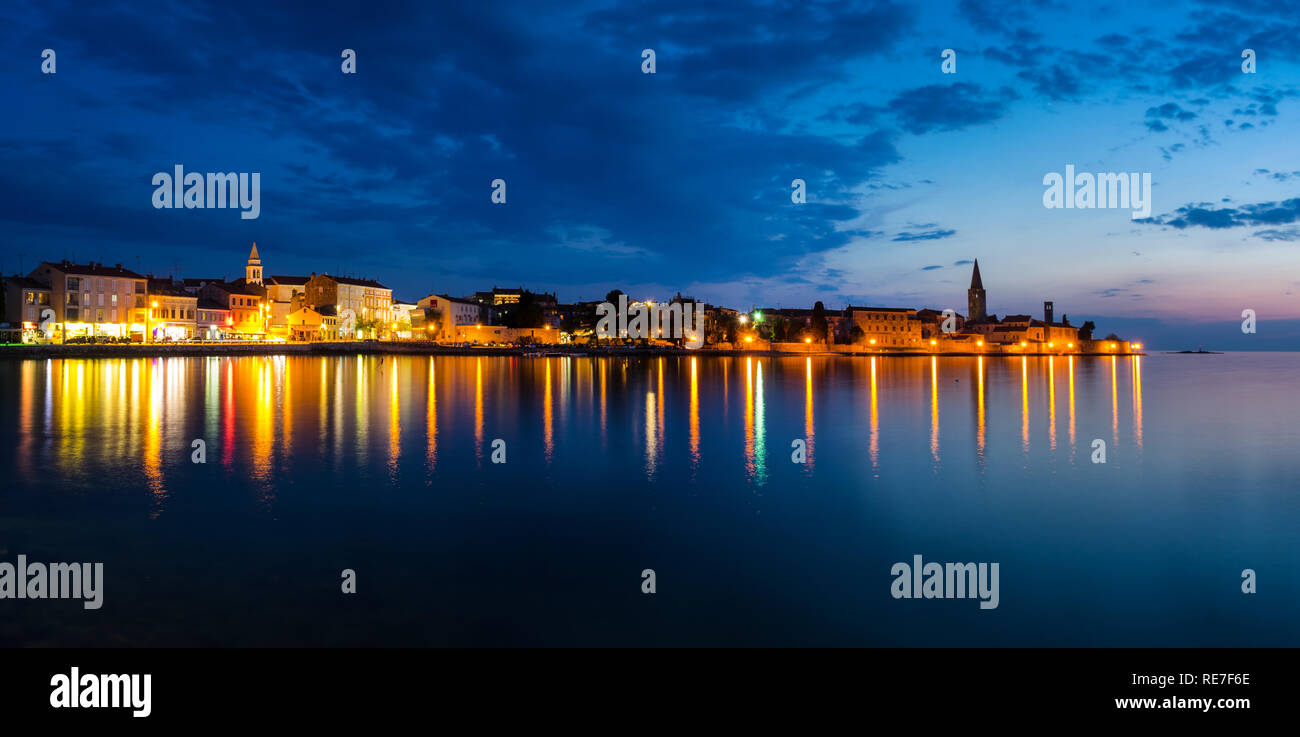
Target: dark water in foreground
{"type": "Point", "coordinates": [681, 465]}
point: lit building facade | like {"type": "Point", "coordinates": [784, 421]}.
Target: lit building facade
{"type": "Point", "coordinates": [25, 301]}
{"type": "Point", "coordinates": [93, 300]}
{"type": "Point", "coordinates": [173, 312]}
{"type": "Point", "coordinates": [370, 301]}
{"type": "Point", "coordinates": [894, 328]}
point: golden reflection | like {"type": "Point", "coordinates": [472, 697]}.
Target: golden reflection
{"type": "Point", "coordinates": [760, 445]}
{"type": "Point", "coordinates": [1136, 362]}
{"type": "Point", "coordinates": [153, 437]}
{"type": "Point", "coordinates": [650, 435]}
{"type": "Point", "coordinates": [548, 412]}
{"type": "Point", "coordinates": [749, 415]}
{"type": "Point", "coordinates": [26, 416]}
{"type": "Point", "coordinates": [604, 362]}
{"type": "Point", "coordinates": [660, 402]}
{"type": "Point", "coordinates": [874, 448]}
{"type": "Point", "coordinates": [228, 417]}
{"type": "Point", "coordinates": [695, 416]}
{"type": "Point", "coordinates": [363, 410]}
{"type": "Point", "coordinates": [285, 405]}
{"type": "Point", "coordinates": [394, 425]}
{"type": "Point", "coordinates": [262, 416]}
{"type": "Point", "coordinates": [1024, 402]}
{"type": "Point", "coordinates": [979, 415]}
{"type": "Point", "coordinates": [1071, 407]}
{"type": "Point", "coordinates": [934, 408]}
{"type": "Point", "coordinates": [1051, 404]}
{"type": "Point", "coordinates": [432, 424]}
{"type": "Point", "coordinates": [478, 407]}
{"type": "Point", "coordinates": [322, 412]}
{"type": "Point", "coordinates": [1114, 401]}
{"type": "Point", "coordinates": [809, 435]}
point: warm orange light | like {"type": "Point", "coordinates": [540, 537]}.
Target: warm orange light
{"type": "Point", "coordinates": [979, 342]}
{"type": "Point", "coordinates": [934, 342]}
{"type": "Point", "coordinates": [1137, 345]}
{"type": "Point", "coordinates": [1051, 345]}
{"type": "Point", "coordinates": [873, 341]}
{"type": "Point", "coordinates": [749, 339]}
{"type": "Point", "coordinates": [155, 304]}
{"type": "Point", "coordinates": [807, 340]}
{"type": "Point", "coordinates": [1023, 344]}
{"type": "Point", "coordinates": [1069, 345]}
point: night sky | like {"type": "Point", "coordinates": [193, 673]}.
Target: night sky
{"type": "Point", "coordinates": [680, 180]}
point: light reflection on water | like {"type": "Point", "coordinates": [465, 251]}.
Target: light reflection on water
{"type": "Point", "coordinates": [986, 458]}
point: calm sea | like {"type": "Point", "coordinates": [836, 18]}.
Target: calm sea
{"type": "Point", "coordinates": [682, 465]}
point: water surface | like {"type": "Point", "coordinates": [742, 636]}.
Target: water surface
{"type": "Point", "coordinates": [681, 465]}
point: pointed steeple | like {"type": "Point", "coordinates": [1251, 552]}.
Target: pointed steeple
{"type": "Point", "coordinates": [975, 281]}
{"type": "Point", "coordinates": [253, 271]}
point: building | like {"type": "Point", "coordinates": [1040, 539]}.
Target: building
{"type": "Point", "coordinates": [25, 302]}
{"type": "Point", "coordinates": [370, 303]}
{"type": "Point", "coordinates": [443, 315]}
{"type": "Point", "coordinates": [976, 303]}
{"type": "Point", "coordinates": [93, 300]}
{"type": "Point", "coordinates": [281, 291]}
{"type": "Point", "coordinates": [172, 311]}
{"type": "Point", "coordinates": [247, 318]}
{"type": "Point", "coordinates": [212, 319]}
{"type": "Point", "coordinates": [404, 318]}
{"type": "Point", "coordinates": [932, 324]}
{"type": "Point", "coordinates": [893, 328]}
{"type": "Point", "coordinates": [312, 323]}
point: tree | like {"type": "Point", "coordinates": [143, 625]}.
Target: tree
{"type": "Point", "coordinates": [819, 329]}
{"type": "Point", "coordinates": [613, 295]}
{"type": "Point", "coordinates": [856, 334]}
{"type": "Point", "coordinates": [1113, 336]}
{"type": "Point", "coordinates": [780, 329]}
{"type": "Point", "coordinates": [1085, 332]}
{"type": "Point", "coordinates": [527, 313]}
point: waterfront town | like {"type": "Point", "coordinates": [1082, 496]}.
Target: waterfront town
{"type": "Point", "coordinates": [62, 303]}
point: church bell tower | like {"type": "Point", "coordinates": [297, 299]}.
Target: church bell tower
{"type": "Point", "coordinates": [253, 272]}
{"type": "Point", "coordinates": [975, 304]}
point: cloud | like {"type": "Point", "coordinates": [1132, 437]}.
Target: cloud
{"type": "Point", "coordinates": [930, 268]}
{"type": "Point", "coordinates": [928, 235]}
{"type": "Point", "coordinates": [1278, 234]}
{"type": "Point", "coordinates": [949, 107]}
{"type": "Point", "coordinates": [1203, 215]}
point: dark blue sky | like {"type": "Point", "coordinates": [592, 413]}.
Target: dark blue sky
{"type": "Point", "coordinates": [678, 180]}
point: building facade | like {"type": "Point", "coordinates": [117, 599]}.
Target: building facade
{"type": "Point", "coordinates": [895, 328]}
{"type": "Point", "coordinates": [26, 301]}
{"type": "Point", "coordinates": [93, 300]}
{"type": "Point", "coordinates": [247, 313]}
{"type": "Point", "coordinates": [451, 314]}
{"type": "Point", "coordinates": [173, 312]}
{"type": "Point", "coordinates": [212, 320]}
{"type": "Point", "coordinates": [370, 303]}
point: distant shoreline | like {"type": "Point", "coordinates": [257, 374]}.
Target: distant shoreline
{"type": "Point", "coordinates": [422, 349]}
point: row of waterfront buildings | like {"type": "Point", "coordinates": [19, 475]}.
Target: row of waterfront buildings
{"type": "Point", "coordinates": [64, 302]}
